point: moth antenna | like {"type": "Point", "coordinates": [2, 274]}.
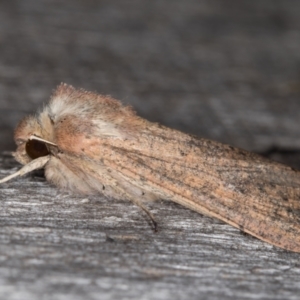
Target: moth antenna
{"type": "Point", "coordinates": [36, 138]}
{"type": "Point", "coordinates": [31, 166]}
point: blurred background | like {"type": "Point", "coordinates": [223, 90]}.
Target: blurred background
{"type": "Point", "coordinates": [225, 70]}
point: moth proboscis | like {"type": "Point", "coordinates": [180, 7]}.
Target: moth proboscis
{"type": "Point", "coordinates": [90, 144]}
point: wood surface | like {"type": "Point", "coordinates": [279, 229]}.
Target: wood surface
{"type": "Point", "coordinates": [226, 70]}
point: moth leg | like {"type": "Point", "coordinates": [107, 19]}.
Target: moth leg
{"type": "Point", "coordinates": [149, 214]}
{"type": "Point", "coordinates": [138, 203]}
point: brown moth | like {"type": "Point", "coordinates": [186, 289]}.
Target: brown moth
{"type": "Point", "coordinates": [91, 144]}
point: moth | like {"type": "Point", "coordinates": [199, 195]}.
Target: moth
{"type": "Point", "coordinates": [90, 144]}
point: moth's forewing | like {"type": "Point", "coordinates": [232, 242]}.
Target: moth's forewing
{"type": "Point", "coordinates": [245, 190]}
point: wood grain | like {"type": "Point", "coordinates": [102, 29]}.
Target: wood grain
{"type": "Point", "coordinates": [54, 245]}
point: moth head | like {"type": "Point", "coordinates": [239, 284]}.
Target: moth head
{"type": "Point", "coordinates": [28, 137]}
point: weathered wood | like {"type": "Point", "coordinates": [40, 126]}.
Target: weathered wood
{"type": "Point", "coordinates": [227, 70]}
{"type": "Point", "coordinates": [55, 245]}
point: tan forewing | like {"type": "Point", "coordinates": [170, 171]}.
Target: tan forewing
{"type": "Point", "coordinates": [243, 189]}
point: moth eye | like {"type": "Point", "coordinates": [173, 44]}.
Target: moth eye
{"type": "Point", "coordinates": [35, 149]}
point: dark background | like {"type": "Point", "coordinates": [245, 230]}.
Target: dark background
{"type": "Point", "coordinates": [227, 70]}
{"type": "Point", "coordinates": [223, 69]}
